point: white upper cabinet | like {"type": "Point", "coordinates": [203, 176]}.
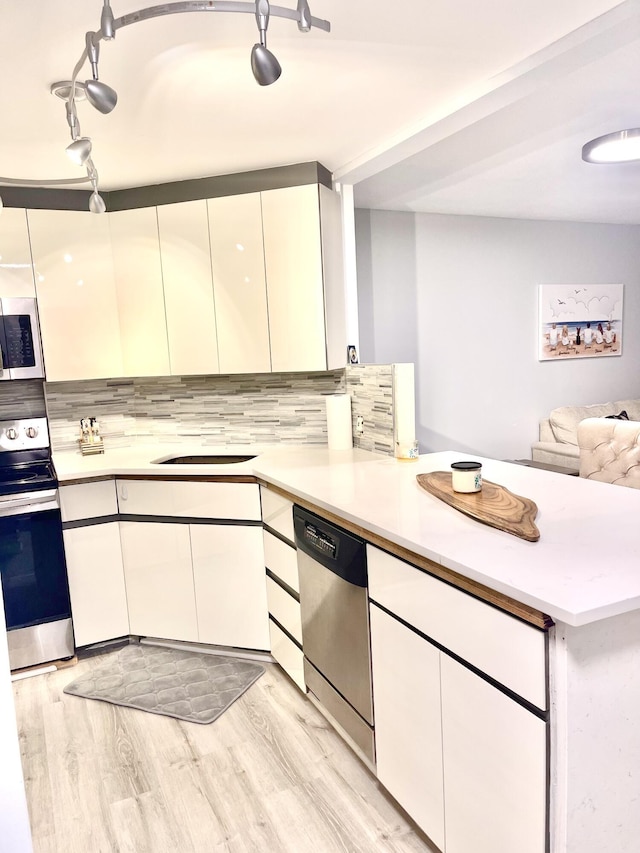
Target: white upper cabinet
{"type": "Point", "coordinates": [305, 281]}
{"type": "Point", "coordinates": [16, 268]}
{"type": "Point", "coordinates": [188, 288]}
{"type": "Point", "coordinates": [251, 283]}
{"type": "Point", "coordinates": [293, 259]}
{"type": "Point", "coordinates": [237, 256]}
{"type": "Point", "coordinates": [76, 294]}
{"type": "Point", "coordinates": [139, 292]}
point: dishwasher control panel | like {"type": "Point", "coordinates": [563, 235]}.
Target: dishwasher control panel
{"type": "Point", "coordinates": [319, 540]}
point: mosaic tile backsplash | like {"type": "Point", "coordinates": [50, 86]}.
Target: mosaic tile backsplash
{"type": "Point", "coordinates": [21, 398]}
{"type": "Point", "coordinates": [271, 408]}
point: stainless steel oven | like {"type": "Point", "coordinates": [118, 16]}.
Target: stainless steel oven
{"type": "Point", "coordinates": [32, 564]}
{"type": "Point", "coordinates": [20, 348]}
{"type": "Point", "coordinates": [334, 606]}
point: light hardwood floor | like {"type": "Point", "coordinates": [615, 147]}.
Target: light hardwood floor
{"type": "Point", "coordinates": [269, 775]}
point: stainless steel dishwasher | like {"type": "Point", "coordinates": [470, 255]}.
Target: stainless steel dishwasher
{"type": "Point", "coordinates": [332, 567]}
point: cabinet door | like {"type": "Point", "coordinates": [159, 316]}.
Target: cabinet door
{"type": "Point", "coordinates": [138, 275]}
{"type": "Point", "coordinates": [406, 699]}
{"type": "Point", "coordinates": [494, 753]}
{"type": "Point", "coordinates": [96, 583]}
{"type": "Point", "coordinates": [16, 268]}
{"type": "Point", "coordinates": [76, 294]}
{"type": "Point", "coordinates": [188, 288]}
{"type": "Point", "coordinates": [159, 580]}
{"type": "Point", "coordinates": [293, 260]}
{"type": "Point", "coordinates": [228, 570]}
{"type": "Point", "coordinates": [237, 257]}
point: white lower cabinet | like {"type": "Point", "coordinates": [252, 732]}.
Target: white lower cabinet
{"type": "Point", "coordinates": [96, 583]}
{"type": "Point", "coordinates": [230, 590]}
{"type": "Point", "coordinates": [494, 753]}
{"type": "Point", "coordinates": [159, 578]}
{"type": "Point", "coordinates": [408, 725]}
{"type": "Point", "coordinates": [463, 751]}
{"type": "Point", "coordinates": [94, 562]}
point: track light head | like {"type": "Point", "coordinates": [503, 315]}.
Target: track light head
{"type": "Point", "coordinates": [304, 16]}
{"type": "Point", "coordinates": [96, 203]}
{"type": "Point", "coordinates": [79, 150]}
{"type": "Point", "coordinates": [107, 23]}
{"type": "Point", "coordinates": [101, 96]}
{"type": "Point", "coordinates": [266, 68]}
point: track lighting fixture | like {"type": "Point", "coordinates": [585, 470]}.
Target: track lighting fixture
{"type": "Point", "coordinates": [264, 65]}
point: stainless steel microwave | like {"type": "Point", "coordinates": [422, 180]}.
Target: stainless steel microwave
{"type": "Point", "coordinates": [20, 348]}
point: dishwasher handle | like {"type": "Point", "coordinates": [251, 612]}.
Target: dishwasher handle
{"type": "Point", "coordinates": [337, 550]}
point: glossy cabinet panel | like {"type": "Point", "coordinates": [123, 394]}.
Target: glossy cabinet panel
{"type": "Point", "coordinates": [293, 261]}
{"type": "Point", "coordinates": [188, 288]}
{"type": "Point", "coordinates": [88, 500]}
{"type": "Point", "coordinates": [406, 695]}
{"type": "Point", "coordinates": [16, 267]}
{"type": "Point", "coordinates": [159, 579]}
{"type": "Point", "coordinates": [230, 590]}
{"type": "Point", "coordinates": [238, 501]}
{"type": "Point", "coordinates": [96, 582]}
{"type": "Point", "coordinates": [237, 256]}
{"type": "Point", "coordinates": [76, 294]}
{"type": "Point", "coordinates": [277, 512]}
{"type": "Point", "coordinates": [139, 292]}
{"type": "Point", "coordinates": [281, 560]}
{"type": "Point", "coordinates": [494, 755]}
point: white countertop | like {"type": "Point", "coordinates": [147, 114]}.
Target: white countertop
{"type": "Point", "coordinates": [585, 567]}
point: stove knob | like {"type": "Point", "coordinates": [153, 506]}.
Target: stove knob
{"type": "Point", "coordinates": [12, 434]}
{"type": "Point", "coordinates": [31, 431]}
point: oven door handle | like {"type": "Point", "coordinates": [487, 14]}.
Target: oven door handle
{"type": "Point", "coordinates": [31, 502]}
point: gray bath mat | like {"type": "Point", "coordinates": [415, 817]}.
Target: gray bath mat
{"type": "Point", "coordinates": [187, 685]}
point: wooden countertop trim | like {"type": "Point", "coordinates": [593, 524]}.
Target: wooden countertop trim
{"type": "Point", "coordinates": [79, 481]}
{"type": "Point", "coordinates": [189, 478]}
{"type": "Point", "coordinates": [491, 596]}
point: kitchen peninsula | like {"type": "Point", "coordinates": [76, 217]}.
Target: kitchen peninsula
{"type": "Point", "coordinates": [565, 671]}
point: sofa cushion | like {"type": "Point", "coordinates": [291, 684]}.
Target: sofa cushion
{"type": "Point", "coordinates": [565, 420]}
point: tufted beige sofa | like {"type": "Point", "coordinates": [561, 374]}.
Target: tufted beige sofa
{"type": "Point", "coordinates": [610, 451]}
{"type": "Point", "coordinates": [558, 444]}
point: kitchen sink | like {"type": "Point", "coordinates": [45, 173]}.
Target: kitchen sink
{"type": "Point", "coordinates": [206, 459]}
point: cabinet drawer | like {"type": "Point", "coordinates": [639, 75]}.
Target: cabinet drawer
{"type": "Point", "coordinates": [287, 654]}
{"type": "Point", "coordinates": [281, 559]}
{"type": "Point", "coordinates": [88, 500]}
{"type": "Point", "coordinates": [238, 501]}
{"type": "Point", "coordinates": [284, 609]}
{"type": "Point", "coordinates": [277, 512]}
{"type": "Point", "coordinates": [498, 644]}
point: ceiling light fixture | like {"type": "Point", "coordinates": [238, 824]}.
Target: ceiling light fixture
{"type": "Point", "coordinates": [264, 65]}
{"type": "Point", "coordinates": [622, 146]}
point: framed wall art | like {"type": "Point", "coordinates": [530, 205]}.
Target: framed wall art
{"type": "Point", "coordinates": [579, 321]}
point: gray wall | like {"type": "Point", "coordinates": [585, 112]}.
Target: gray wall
{"type": "Point", "coordinates": [457, 295]}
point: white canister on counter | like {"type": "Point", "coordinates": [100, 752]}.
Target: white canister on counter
{"type": "Point", "coordinates": [466, 476]}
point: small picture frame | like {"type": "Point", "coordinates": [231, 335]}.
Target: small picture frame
{"type": "Point", "coordinates": [352, 355]}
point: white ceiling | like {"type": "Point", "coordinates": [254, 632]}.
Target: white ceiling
{"type": "Point", "coordinates": [450, 106]}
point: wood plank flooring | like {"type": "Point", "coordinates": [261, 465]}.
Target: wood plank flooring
{"type": "Point", "coordinates": [270, 775]}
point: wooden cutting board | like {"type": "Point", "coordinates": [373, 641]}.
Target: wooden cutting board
{"type": "Point", "coordinates": [493, 505]}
